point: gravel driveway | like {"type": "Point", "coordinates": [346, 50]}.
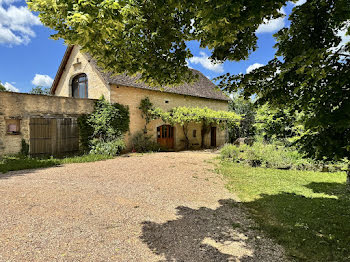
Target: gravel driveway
{"type": "Point", "coordinates": [155, 207]}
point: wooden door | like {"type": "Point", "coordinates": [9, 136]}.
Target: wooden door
{"type": "Point", "coordinates": [67, 136]}
{"type": "Point", "coordinates": [165, 136]}
{"type": "Point", "coordinates": [41, 131]}
{"type": "Point", "coordinates": [50, 136]}
{"type": "Point", "coordinates": [213, 136]}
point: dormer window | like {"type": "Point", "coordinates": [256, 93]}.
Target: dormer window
{"type": "Point", "coordinates": [80, 86]}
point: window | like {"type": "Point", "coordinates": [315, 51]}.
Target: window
{"type": "Point", "coordinates": [194, 133]}
{"type": "Point", "coordinates": [166, 101]}
{"type": "Point", "coordinates": [13, 126]}
{"type": "Point", "coordinates": [80, 86]}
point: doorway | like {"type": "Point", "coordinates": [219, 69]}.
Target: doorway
{"type": "Point", "coordinates": [165, 136]}
{"type": "Point", "coordinates": [213, 136]}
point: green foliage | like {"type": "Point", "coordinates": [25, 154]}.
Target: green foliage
{"type": "Point", "coordinates": [312, 77]}
{"type": "Point", "coordinates": [276, 155]}
{"type": "Point", "coordinates": [230, 151]}
{"type": "Point", "coordinates": [279, 124]}
{"type": "Point", "coordinates": [146, 111]}
{"type": "Point", "coordinates": [86, 132]}
{"type": "Point", "coordinates": [185, 115]}
{"type": "Point", "coordinates": [39, 90]}
{"type": "Point", "coordinates": [109, 121]}
{"type": "Point", "coordinates": [24, 148]}
{"type": "Point", "coordinates": [110, 148]}
{"type": "Point", "coordinates": [13, 163]}
{"type": "Point", "coordinates": [103, 129]}
{"type": "Point", "coordinates": [150, 37]}
{"type": "Point", "coordinates": [305, 212]}
{"type": "Point", "coordinates": [244, 108]}
{"type": "Point", "coordinates": [143, 143]}
{"type": "Point", "coordinates": [2, 88]}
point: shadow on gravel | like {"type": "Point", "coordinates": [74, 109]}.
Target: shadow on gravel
{"type": "Point", "coordinates": [205, 234]}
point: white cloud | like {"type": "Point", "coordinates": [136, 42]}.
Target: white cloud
{"type": "Point", "coordinates": [204, 61]}
{"type": "Point", "coordinates": [16, 23]}
{"type": "Point", "coordinates": [345, 38]}
{"type": "Point", "coordinates": [42, 80]}
{"type": "Point", "coordinates": [252, 67]}
{"type": "Point", "coordinates": [10, 87]}
{"type": "Point", "coordinates": [300, 2]}
{"type": "Point", "coordinates": [273, 25]}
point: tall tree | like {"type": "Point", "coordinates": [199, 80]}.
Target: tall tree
{"type": "Point", "coordinates": [310, 74]}
{"type": "Point", "coordinates": [150, 37]}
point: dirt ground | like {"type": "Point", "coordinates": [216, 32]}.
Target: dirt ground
{"type": "Point", "coordinates": [152, 207]}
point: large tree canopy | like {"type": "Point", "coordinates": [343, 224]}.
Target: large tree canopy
{"type": "Point", "coordinates": [149, 36]}
{"type": "Point", "coordinates": [310, 74]}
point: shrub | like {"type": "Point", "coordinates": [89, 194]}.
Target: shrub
{"type": "Point", "coordinates": [111, 148]}
{"type": "Point", "coordinates": [24, 148]}
{"type": "Point", "coordinates": [101, 131]}
{"type": "Point", "coordinates": [143, 143]}
{"type": "Point", "coordinates": [271, 156]}
{"type": "Point", "coordinates": [229, 151]}
{"type": "Point", "coordinates": [85, 132]}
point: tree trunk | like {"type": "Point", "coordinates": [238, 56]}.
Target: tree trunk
{"type": "Point", "coordinates": [348, 177]}
{"type": "Point", "coordinates": [204, 131]}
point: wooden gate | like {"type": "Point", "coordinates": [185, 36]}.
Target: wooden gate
{"type": "Point", "coordinates": [51, 136]}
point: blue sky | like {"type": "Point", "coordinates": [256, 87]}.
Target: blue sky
{"type": "Point", "coordinates": [28, 57]}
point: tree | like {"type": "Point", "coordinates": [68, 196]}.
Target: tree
{"type": "Point", "coordinates": [40, 90]}
{"type": "Point", "coordinates": [246, 109]}
{"type": "Point", "coordinates": [310, 74]}
{"type": "Point", "coordinates": [278, 123]}
{"type": "Point", "coordinates": [149, 37]}
{"type": "Point", "coordinates": [2, 88]}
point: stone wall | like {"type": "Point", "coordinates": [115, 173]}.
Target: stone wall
{"type": "Point", "coordinates": [132, 97]}
{"type": "Point", "coordinates": [21, 107]}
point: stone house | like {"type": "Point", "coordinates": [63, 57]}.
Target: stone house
{"type": "Point", "coordinates": [78, 82]}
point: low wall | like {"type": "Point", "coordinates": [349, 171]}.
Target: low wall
{"type": "Point", "coordinates": [18, 108]}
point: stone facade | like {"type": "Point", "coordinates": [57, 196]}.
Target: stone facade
{"type": "Point", "coordinates": [132, 97]}
{"type": "Point", "coordinates": [17, 107]}
{"type": "Point", "coordinates": [78, 63]}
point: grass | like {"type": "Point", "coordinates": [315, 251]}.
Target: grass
{"type": "Point", "coordinates": [13, 163]}
{"type": "Point", "coordinates": [306, 212]}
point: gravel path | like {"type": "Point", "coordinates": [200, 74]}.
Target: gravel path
{"type": "Point", "coordinates": [155, 207]}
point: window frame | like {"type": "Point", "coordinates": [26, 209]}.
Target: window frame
{"type": "Point", "coordinates": [76, 81]}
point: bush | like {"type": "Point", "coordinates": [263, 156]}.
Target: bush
{"type": "Point", "coordinates": [144, 143]}
{"type": "Point", "coordinates": [229, 151]}
{"type": "Point", "coordinates": [269, 155]}
{"type": "Point", "coordinates": [86, 132]}
{"type": "Point", "coordinates": [111, 148]}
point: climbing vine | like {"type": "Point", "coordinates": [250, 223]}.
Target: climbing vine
{"type": "Point", "coordinates": [146, 108]}
{"type": "Point", "coordinates": [206, 116]}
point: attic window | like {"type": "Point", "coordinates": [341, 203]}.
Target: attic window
{"type": "Point", "coordinates": [13, 126]}
{"type": "Point", "coordinates": [80, 86]}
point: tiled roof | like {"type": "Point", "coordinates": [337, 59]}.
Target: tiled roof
{"type": "Point", "coordinates": [201, 87]}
